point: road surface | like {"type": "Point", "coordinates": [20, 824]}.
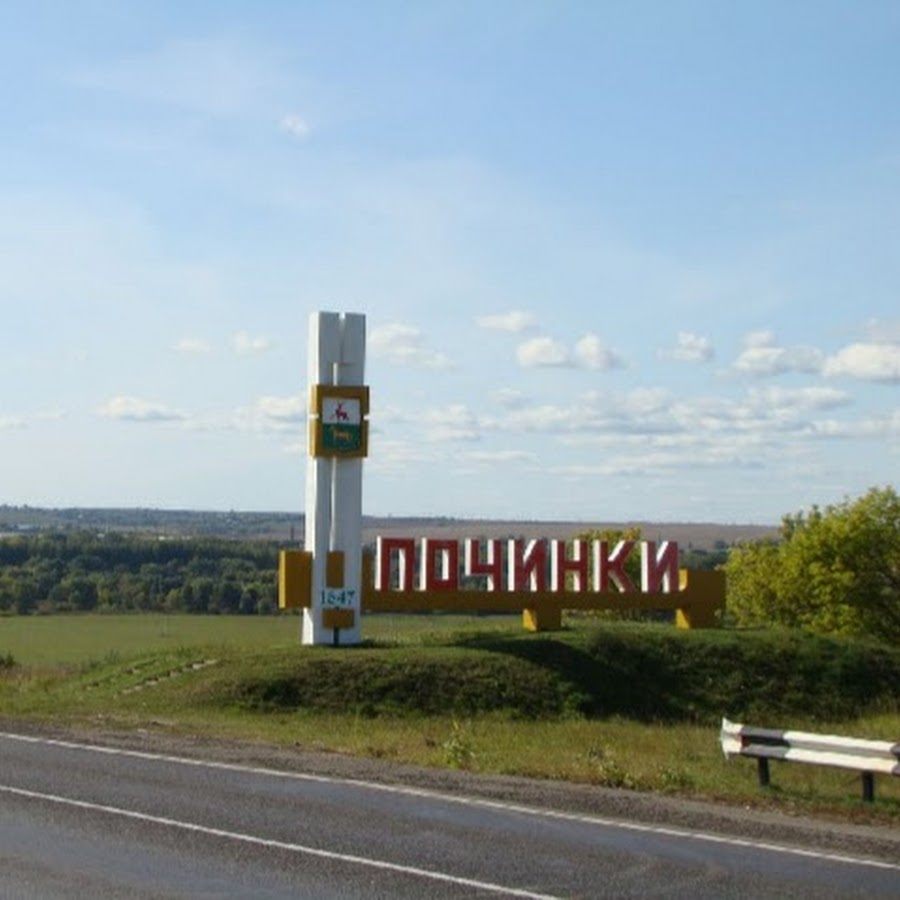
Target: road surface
{"type": "Point", "coordinates": [79, 819]}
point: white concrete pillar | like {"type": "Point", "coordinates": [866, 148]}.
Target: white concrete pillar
{"type": "Point", "coordinates": [334, 482]}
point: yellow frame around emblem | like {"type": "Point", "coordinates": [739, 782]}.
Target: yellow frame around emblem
{"type": "Point", "coordinates": [319, 393]}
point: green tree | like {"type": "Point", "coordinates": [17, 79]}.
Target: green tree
{"type": "Point", "coordinates": [226, 597]}
{"type": "Point", "coordinates": [835, 571]}
{"type": "Point", "coordinates": [25, 597]}
{"type": "Point", "coordinates": [612, 536]}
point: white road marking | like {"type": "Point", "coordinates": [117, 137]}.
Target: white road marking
{"type": "Point", "coordinates": [477, 802]}
{"type": "Point", "coordinates": [278, 845]}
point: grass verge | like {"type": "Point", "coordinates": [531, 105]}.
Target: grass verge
{"type": "Point", "coordinates": [614, 704]}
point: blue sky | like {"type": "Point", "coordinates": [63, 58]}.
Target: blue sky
{"type": "Point", "coordinates": [618, 261]}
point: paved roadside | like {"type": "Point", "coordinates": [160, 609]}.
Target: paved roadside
{"type": "Point", "coordinates": [876, 842]}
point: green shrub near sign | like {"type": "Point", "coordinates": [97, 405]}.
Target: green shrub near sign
{"type": "Point", "coordinates": [834, 571]}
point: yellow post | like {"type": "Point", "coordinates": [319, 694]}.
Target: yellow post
{"type": "Point", "coordinates": [294, 579]}
{"type": "Point", "coordinates": [542, 618]}
{"type": "Point", "coordinates": [334, 569]}
{"type": "Point", "coordinates": [338, 618]}
{"type": "Point", "coordinates": [705, 596]}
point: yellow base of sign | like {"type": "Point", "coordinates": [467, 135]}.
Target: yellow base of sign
{"type": "Point", "coordinates": [338, 618]}
{"type": "Point", "coordinates": [542, 618]}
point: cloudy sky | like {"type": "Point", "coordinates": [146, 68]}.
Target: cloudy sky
{"type": "Point", "coordinates": [618, 261]}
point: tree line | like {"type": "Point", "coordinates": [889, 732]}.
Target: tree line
{"type": "Point", "coordinates": [83, 571]}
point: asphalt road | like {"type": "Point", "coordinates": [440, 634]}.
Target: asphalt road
{"type": "Point", "coordinates": [82, 820]}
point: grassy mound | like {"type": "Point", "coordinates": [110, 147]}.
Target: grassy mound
{"type": "Point", "coordinates": [392, 682]}
{"type": "Point", "coordinates": [640, 672]}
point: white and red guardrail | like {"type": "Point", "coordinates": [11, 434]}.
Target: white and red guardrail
{"type": "Point", "coordinates": [864, 756]}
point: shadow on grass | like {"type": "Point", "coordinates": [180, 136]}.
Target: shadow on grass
{"type": "Point", "coordinates": [657, 674]}
{"type": "Point", "coordinates": [619, 680]}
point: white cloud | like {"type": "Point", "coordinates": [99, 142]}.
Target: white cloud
{"type": "Point", "coordinates": [589, 353]}
{"type": "Point", "coordinates": [191, 345]}
{"type": "Point", "coordinates": [514, 321]}
{"type": "Point", "coordinates": [295, 125]}
{"type": "Point", "coordinates": [800, 399]}
{"type": "Point", "coordinates": [879, 427]}
{"type": "Point", "coordinates": [283, 408]}
{"type": "Point", "coordinates": [136, 409]}
{"type": "Point", "coordinates": [404, 345]}
{"type": "Point", "coordinates": [652, 462]}
{"type": "Point", "coordinates": [690, 347]}
{"type": "Point", "coordinates": [510, 398]}
{"type": "Point", "coordinates": [664, 453]}
{"type": "Point", "coordinates": [386, 414]}
{"type": "Point", "coordinates": [763, 338]}
{"type": "Point", "coordinates": [592, 354]}
{"type": "Point", "coordinates": [868, 362]}
{"type": "Point", "coordinates": [249, 345]}
{"type": "Point", "coordinates": [646, 401]}
{"type": "Point", "coordinates": [542, 351]}
{"type": "Point", "coordinates": [452, 423]}
{"type": "Point", "coordinates": [763, 356]}
{"type": "Point", "coordinates": [395, 458]}
{"type": "Point", "coordinates": [10, 422]}
{"type": "Point", "coordinates": [646, 417]}
{"type": "Point", "coordinates": [270, 413]}
{"type": "Point", "coordinates": [501, 457]}
{"type": "Point", "coordinates": [545, 417]}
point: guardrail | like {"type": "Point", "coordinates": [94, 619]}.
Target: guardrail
{"type": "Point", "coordinates": [864, 756]}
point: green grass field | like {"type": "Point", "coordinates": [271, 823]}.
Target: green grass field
{"type": "Point", "coordinates": [614, 704]}
{"type": "Point", "coordinates": [72, 640]}
{"type": "Point", "coordinates": [77, 639]}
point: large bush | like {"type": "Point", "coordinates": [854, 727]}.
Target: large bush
{"type": "Point", "coordinates": [835, 570]}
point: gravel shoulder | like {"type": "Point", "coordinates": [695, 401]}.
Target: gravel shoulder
{"type": "Point", "coordinates": [875, 842]}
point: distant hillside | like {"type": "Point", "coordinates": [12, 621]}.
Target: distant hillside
{"type": "Point", "coordinates": [700, 535]}
{"type": "Point", "coordinates": [288, 527]}
{"type": "Point", "coordinates": [169, 522]}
